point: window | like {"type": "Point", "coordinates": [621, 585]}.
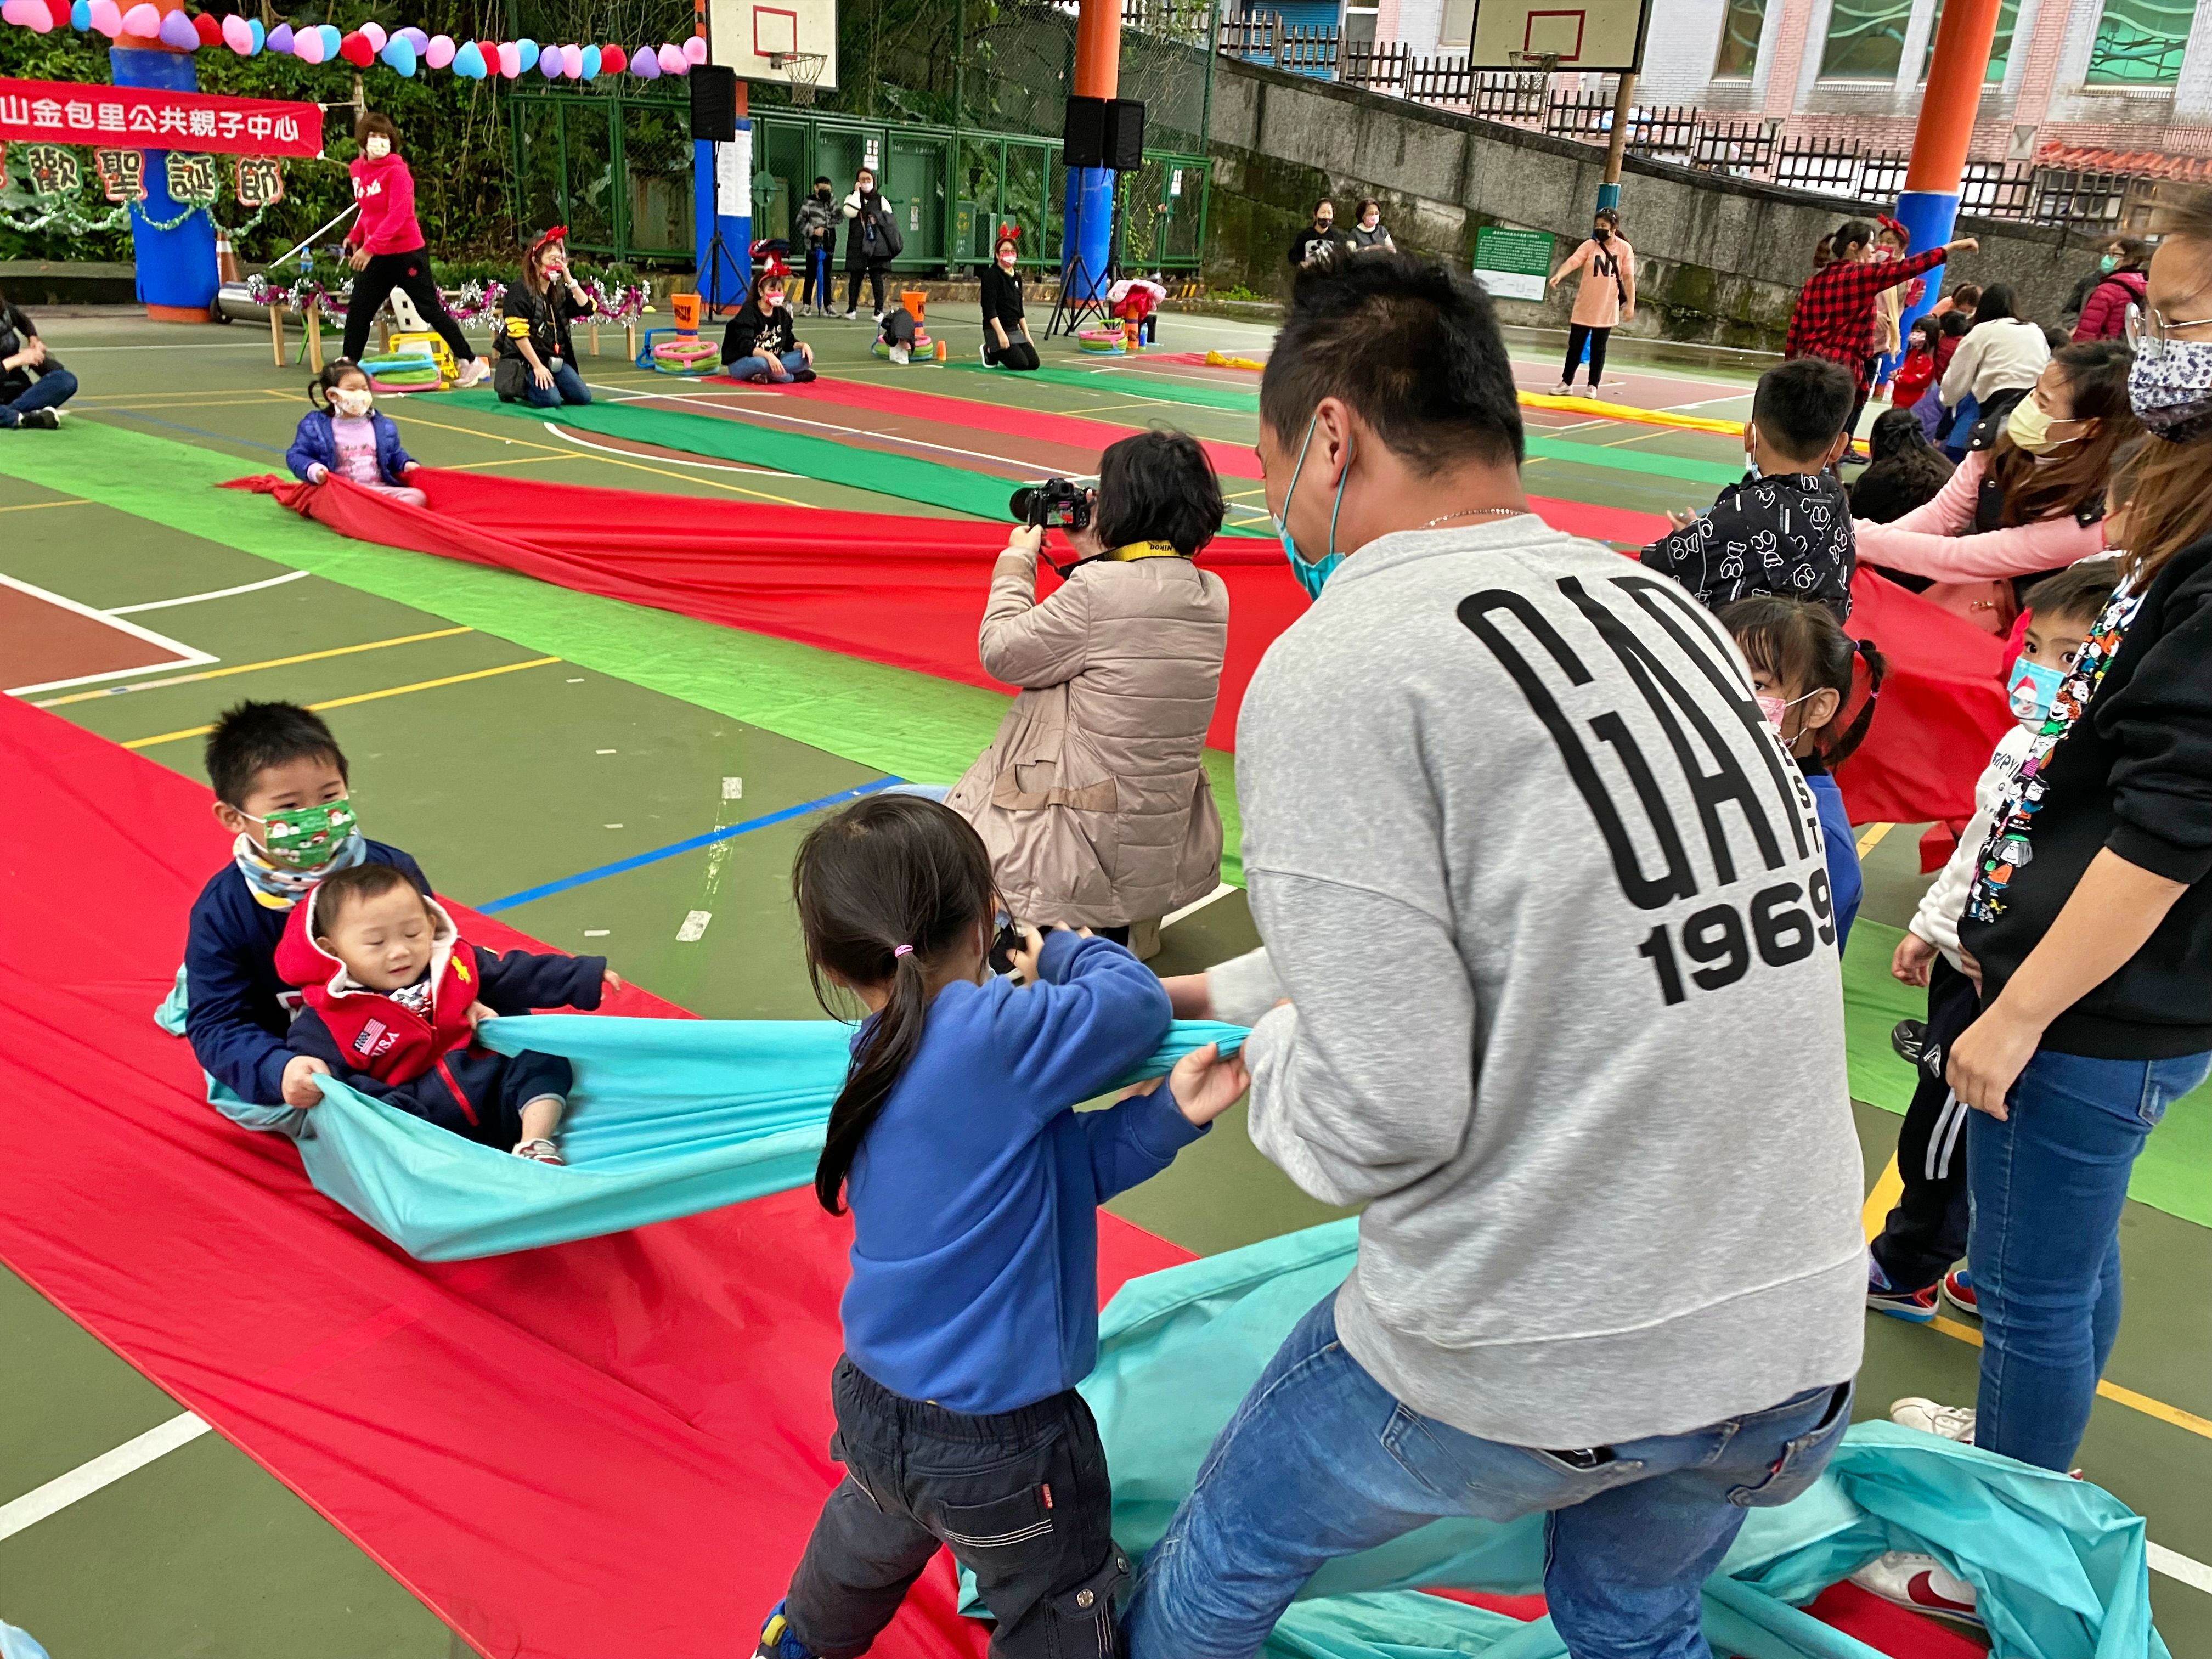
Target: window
{"type": "Point", "coordinates": [1458, 23]}
{"type": "Point", "coordinates": [2139, 43]}
{"type": "Point", "coordinates": [1739, 30]}
{"type": "Point", "coordinates": [2000, 46]}
{"type": "Point", "coordinates": [1866, 39]}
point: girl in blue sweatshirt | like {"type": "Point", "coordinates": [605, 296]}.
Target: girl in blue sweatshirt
{"type": "Point", "coordinates": [1802, 668]}
{"type": "Point", "coordinates": [974, 1187]}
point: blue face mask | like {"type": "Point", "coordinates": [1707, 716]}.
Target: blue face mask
{"type": "Point", "coordinates": [1312, 574]}
{"type": "Point", "coordinates": [2033, 686]}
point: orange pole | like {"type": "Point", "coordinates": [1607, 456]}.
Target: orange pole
{"type": "Point", "coordinates": [1953, 95]}
{"type": "Point", "coordinates": [1098, 48]}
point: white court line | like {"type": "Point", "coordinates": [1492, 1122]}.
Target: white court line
{"type": "Point", "coordinates": [216, 594]}
{"type": "Point", "coordinates": [2174, 1566]}
{"type": "Point", "coordinates": [633, 455]}
{"type": "Point", "coordinates": [1174, 916]}
{"type": "Point", "coordinates": [104, 1470]}
{"type": "Point", "coordinates": [826, 426]}
{"type": "Point", "coordinates": [186, 656]}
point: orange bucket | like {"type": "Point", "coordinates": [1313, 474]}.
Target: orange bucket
{"type": "Point", "coordinates": [913, 299]}
{"type": "Point", "coordinates": [686, 309]}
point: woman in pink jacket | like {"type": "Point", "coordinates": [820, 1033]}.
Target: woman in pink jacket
{"type": "Point", "coordinates": [388, 250]}
{"type": "Point", "coordinates": [2030, 495]}
{"type": "Point", "coordinates": [1605, 299]}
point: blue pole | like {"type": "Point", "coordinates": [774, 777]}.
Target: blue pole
{"type": "Point", "coordinates": [176, 270]}
{"type": "Point", "coordinates": [1930, 215]}
{"type": "Point", "coordinates": [1090, 232]}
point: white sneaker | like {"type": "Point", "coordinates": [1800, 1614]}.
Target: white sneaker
{"type": "Point", "coordinates": [1920, 1583]}
{"type": "Point", "coordinates": [1929, 1417]}
{"type": "Point", "coordinates": [1564, 389]}
{"type": "Point", "coordinates": [539, 1151]}
{"type": "Point", "coordinates": [900, 355]}
{"type": "Point", "coordinates": [475, 373]}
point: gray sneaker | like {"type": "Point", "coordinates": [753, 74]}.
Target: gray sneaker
{"type": "Point", "coordinates": [44, 420]}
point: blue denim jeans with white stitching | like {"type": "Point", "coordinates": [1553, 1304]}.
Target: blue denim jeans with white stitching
{"type": "Point", "coordinates": [1321, 1461]}
{"type": "Point", "coordinates": [2048, 1185]}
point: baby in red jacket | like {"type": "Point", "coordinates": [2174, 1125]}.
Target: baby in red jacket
{"type": "Point", "coordinates": [393, 997]}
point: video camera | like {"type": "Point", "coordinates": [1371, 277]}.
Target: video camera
{"type": "Point", "coordinates": [1054, 504]}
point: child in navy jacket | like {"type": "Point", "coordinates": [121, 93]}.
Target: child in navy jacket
{"type": "Point", "coordinates": [344, 434]}
{"type": "Point", "coordinates": [281, 789]}
{"type": "Point", "coordinates": [973, 1309]}
{"type": "Point", "coordinates": [394, 995]}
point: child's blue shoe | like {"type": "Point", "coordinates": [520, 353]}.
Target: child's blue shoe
{"type": "Point", "coordinates": [1914, 1307]}
{"type": "Point", "coordinates": [776, 1640]}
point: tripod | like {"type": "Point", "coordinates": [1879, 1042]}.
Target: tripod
{"type": "Point", "coordinates": [719, 254]}
{"type": "Point", "coordinates": [1068, 315]}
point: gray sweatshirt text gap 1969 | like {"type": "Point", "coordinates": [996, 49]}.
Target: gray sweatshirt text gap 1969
{"type": "Point", "coordinates": [1549, 901]}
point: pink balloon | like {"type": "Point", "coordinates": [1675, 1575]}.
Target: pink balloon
{"type": "Point", "coordinates": [237, 35]}
{"type": "Point", "coordinates": [694, 49]}
{"type": "Point", "coordinates": [510, 59]}
{"type": "Point", "coordinates": [440, 52]}
{"type": "Point", "coordinates": [141, 20]}
{"type": "Point", "coordinates": [672, 59]}
{"type": "Point", "coordinates": [108, 17]}
{"type": "Point", "coordinates": [16, 13]}
{"type": "Point", "coordinates": [307, 47]}
{"type": "Point", "coordinates": [572, 61]}
{"type": "Point", "coordinates": [376, 35]}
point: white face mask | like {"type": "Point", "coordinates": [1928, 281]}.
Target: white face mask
{"type": "Point", "coordinates": [1006, 258]}
{"type": "Point", "coordinates": [354, 401]}
{"type": "Point", "coordinates": [376, 147]}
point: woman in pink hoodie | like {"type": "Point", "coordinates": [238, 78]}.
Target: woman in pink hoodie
{"type": "Point", "coordinates": [388, 250]}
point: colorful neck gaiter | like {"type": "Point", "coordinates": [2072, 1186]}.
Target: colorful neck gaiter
{"type": "Point", "coordinates": [2011, 847]}
{"type": "Point", "coordinates": [280, 886]}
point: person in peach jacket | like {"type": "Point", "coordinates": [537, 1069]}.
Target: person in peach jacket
{"type": "Point", "coordinates": [1605, 299]}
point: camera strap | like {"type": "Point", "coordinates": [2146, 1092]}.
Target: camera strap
{"type": "Point", "coordinates": [1127, 553]}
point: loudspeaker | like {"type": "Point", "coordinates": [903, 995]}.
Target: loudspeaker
{"type": "Point", "coordinates": [1124, 134]}
{"type": "Point", "coordinates": [1082, 139]}
{"type": "Point", "coordinates": [714, 103]}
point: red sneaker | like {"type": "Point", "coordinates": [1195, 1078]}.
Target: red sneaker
{"type": "Point", "coordinates": [1920, 1583]}
{"type": "Point", "coordinates": [1959, 1290]}
{"type": "Point", "coordinates": [540, 1152]}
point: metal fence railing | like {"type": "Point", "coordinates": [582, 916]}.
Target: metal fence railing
{"type": "Point", "coordinates": [1712, 141]}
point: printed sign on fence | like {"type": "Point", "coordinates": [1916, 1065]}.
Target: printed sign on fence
{"type": "Point", "coordinates": [1512, 264]}
{"type": "Point", "coordinates": [122, 173]}
{"type": "Point", "coordinates": [259, 179]}
{"type": "Point", "coordinates": [148, 117]}
{"type": "Point", "coordinates": [195, 179]}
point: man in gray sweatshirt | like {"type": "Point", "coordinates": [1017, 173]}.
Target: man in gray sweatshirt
{"type": "Point", "coordinates": [1550, 986]}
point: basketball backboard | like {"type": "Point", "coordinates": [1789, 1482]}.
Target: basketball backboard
{"type": "Point", "coordinates": [746, 35]}
{"type": "Point", "coordinates": [1586, 35]}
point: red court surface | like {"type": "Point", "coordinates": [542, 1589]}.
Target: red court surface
{"type": "Point", "coordinates": [47, 641]}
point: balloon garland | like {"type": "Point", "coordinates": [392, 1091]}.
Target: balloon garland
{"type": "Point", "coordinates": [405, 51]}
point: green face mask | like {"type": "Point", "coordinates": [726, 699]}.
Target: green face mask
{"type": "Point", "coordinates": [2110, 262]}
{"type": "Point", "coordinates": [306, 836]}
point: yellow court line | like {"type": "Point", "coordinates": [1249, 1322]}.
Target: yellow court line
{"type": "Point", "coordinates": [520, 460]}
{"type": "Point", "coordinates": [1888, 1187]}
{"type": "Point", "coordinates": [249, 667]}
{"type": "Point", "coordinates": [1871, 839]}
{"type": "Point", "coordinates": [33, 507]}
{"type": "Point", "coordinates": [360, 696]}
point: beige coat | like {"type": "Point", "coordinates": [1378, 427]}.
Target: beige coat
{"type": "Point", "coordinates": [1093, 798]}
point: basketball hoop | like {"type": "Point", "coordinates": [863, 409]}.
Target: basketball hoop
{"type": "Point", "coordinates": [1533, 62]}
{"type": "Point", "coordinates": [804, 68]}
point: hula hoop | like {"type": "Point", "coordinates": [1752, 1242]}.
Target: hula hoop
{"type": "Point", "coordinates": [683, 356]}
{"type": "Point", "coordinates": [1099, 339]}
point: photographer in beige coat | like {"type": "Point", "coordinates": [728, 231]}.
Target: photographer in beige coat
{"type": "Point", "coordinates": [1093, 796]}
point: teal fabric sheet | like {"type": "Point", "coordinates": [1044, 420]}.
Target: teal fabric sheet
{"type": "Point", "coordinates": [668, 1117]}
{"type": "Point", "coordinates": [2060, 1566]}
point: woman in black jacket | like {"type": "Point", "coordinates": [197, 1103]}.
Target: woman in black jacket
{"type": "Point", "coordinates": [2088, 929]}
{"type": "Point", "coordinates": [536, 357]}
{"type": "Point", "coordinates": [32, 384]}
{"type": "Point", "coordinates": [761, 343]}
{"type": "Point", "coordinates": [872, 242]}
{"type": "Point", "coordinates": [1007, 343]}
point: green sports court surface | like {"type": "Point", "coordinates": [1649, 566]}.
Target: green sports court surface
{"type": "Point", "coordinates": [137, 601]}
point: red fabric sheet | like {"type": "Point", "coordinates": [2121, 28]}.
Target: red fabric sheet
{"type": "Point", "coordinates": [1604, 523]}
{"type": "Point", "coordinates": [611, 1447]}
{"type": "Point", "coordinates": [909, 591]}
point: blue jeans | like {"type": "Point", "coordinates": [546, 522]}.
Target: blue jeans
{"type": "Point", "coordinates": [756, 366]}
{"type": "Point", "coordinates": [54, 386]}
{"type": "Point", "coordinates": [2048, 1185]}
{"type": "Point", "coordinates": [568, 387]}
{"type": "Point", "coordinates": [1321, 1461]}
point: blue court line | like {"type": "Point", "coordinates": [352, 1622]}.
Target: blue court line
{"type": "Point", "coordinates": [197, 431]}
{"type": "Point", "coordinates": [690, 844]}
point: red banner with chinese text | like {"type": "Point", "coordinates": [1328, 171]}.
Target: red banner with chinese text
{"type": "Point", "coordinates": [145, 118]}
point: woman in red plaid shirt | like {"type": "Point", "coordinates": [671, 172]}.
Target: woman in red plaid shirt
{"type": "Point", "coordinates": [1834, 314]}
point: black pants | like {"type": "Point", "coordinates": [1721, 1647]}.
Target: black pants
{"type": "Point", "coordinates": [411, 274]}
{"type": "Point", "coordinates": [874, 271]}
{"type": "Point", "coordinates": [1020, 1498]}
{"type": "Point", "coordinates": [1577, 334]}
{"type": "Point", "coordinates": [1926, 1231]}
{"type": "Point", "coordinates": [1019, 354]}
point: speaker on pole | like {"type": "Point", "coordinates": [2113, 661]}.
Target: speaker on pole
{"type": "Point", "coordinates": [714, 103]}
{"type": "Point", "coordinates": [1124, 145]}
{"type": "Point", "coordinates": [1082, 138]}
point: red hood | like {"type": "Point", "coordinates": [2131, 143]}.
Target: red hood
{"type": "Point", "coordinates": [301, 962]}
{"type": "Point", "coordinates": [367, 167]}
